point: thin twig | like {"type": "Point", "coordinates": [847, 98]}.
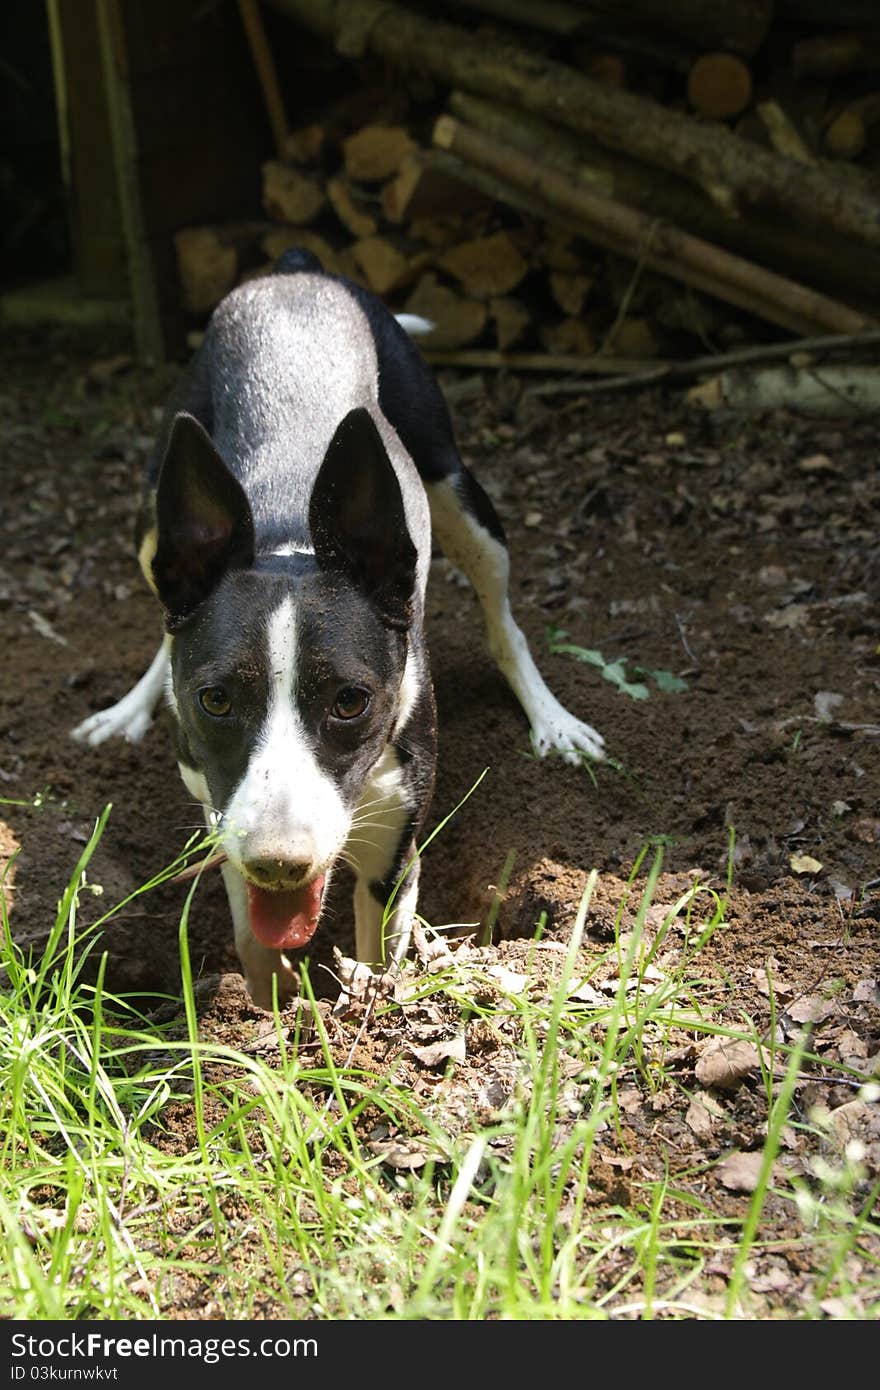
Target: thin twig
{"type": "Point", "coordinates": [678, 371]}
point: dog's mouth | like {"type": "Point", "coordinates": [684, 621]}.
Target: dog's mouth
{"type": "Point", "coordinates": [283, 919]}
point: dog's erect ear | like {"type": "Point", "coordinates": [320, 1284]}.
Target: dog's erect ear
{"type": "Point", "coordinates": [358, 520]}
{"type": "Point", "coordinates": [203, 520]}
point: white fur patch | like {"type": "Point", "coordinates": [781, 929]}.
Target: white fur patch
{"type": "Point", "coordinates": [285, 808]}
{"type": "Point", "coordinates": [197, 785]}
{"type": "Point", "coordinates": [409, 693]}
{"type": "Point", "coordinates": [133, 714]}
{"type": "Point", "coordinates": [294, 548]}
{"type": "Point", "coordinates": [485, 562]}
{"type": "Point", "coordinates": [377, 829]}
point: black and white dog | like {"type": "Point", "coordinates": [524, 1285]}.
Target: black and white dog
{"type": "Point", "coordinates": [288, 509]}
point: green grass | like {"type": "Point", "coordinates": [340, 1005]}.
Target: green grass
{"type": "Point", "coordinates": [274, 1188]}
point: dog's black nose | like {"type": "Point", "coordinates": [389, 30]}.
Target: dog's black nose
{"type": "Point", "coordinates": [267, 873]}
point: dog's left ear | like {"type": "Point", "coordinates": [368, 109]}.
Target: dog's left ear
{"type": "Point", "coordinates": [203, 520]}
{"type": "Point", "coordinates": [358, 520]}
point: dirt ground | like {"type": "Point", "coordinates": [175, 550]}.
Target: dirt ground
{"type": "Point", "coordinates": [741, 555]}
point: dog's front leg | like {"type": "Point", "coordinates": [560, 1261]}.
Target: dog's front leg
{"type": "Point", "coordinates": [132, 715]}
{"type": "Point", "coordinates": [381, 849]}
{"type": "Point", "coordinates": [259, 963]}
{"type": "Point", "coordinates": [383, 912]}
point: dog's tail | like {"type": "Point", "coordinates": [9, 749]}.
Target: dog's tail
{"type": "Point", "coordinates": [414, 324]}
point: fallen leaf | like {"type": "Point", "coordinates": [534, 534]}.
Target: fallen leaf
{"type": "Point", "coordinates": [810, 1008]}
{"type": "Point", "coordinates": [701, 1116]}
{"type": "Point", "coordinates": [793, 616]}
{"type": "Point", "coordinates": [824, 703]}
{"type": "Point", "coordinates": [511, 981]}
{"type": "Point", "coordinates": [407, 1153]}
{"type": "Point", "coordinates": [725, 1062]}
{"type": "Point", "coordinates": [739, 1172]}
{"type": "Point", "coordinates": [446, 1048]}
{"type": "Point", "coordinates": [817, 463]}
{"type": "Point", "coordinates": [585, 992]}
{"type": "Point", "coordinates": [804, 864]}
{"type": "Point", "coordinates": [855, 1120]}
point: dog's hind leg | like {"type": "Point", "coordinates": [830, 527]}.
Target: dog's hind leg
{"type": "Point", "coordinates": [470, 534]}
{"type": "Point", "coordinates": [133, 714]}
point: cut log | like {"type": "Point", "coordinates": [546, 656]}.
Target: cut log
{"type": "Point", "coordinates": [845, 136]}
{"type": "Point", "coordinates": [511, 319]}
{"type": "Point", "coordinates": [836, 391]}
{"type": "Point", "coordinates": [376, 152]}
{"type": "Point", "coordinates": [846, 133]}
{"type": "Point", "coordinates": [571, 337]}
{"type": "Point", "coordinates": [737, 25]}
{"type": "Point", "coordinates": [425, 187]}
{"type": "Point", "coordinates": [632, 338]}
{"type": "Point", "coordinates": [784, 136]}
{"type": "Point", "coordinates": [441, 232]}
{"type": "Point", "coordinates": [663, 248]}
{"type": "Point", "coordinates": [280, 239]}
{"type": "Point", "coordinates": [384, 267]}
{"type": "Point", "coordinates": [840, 267]}
{"type": "Point", "coordinates": [289, 195]}
{"type": "Point", "coordinates": [605, 67]}
{"type": "Point", "coordinates": [306, 144]}
{"type": "Point", "coordinates": [558, 253]}
{"type": "Point", "coordinates": [350, 207]}
{"type": "Point", "coordinates": [457, 320]}
{"type": "Point", "coordinates": [485, 266]}
{"type": "Point", "coordinates": [551, 16]}
{"type": "Point", "coordinates": [735, 174]}
{"type": "Point", "coordinates": [834, 55]}
{"type": "Point", "coordinates": [208, 260]}
{"type": "Point", "coordinates": [570, 290]}
{"type": "Point", "coordinates": [719, 85]}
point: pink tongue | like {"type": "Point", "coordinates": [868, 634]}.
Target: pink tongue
{"type": "Point", "coordinates": [285, 919]}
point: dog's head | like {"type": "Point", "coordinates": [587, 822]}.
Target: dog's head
{"type": "Point", "coordinates": [289, 668]}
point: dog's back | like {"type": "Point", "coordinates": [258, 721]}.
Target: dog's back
{"type": "Point", "coordinates": [284, 359]}
{"type": "Point", "coordinates": [286, 529]}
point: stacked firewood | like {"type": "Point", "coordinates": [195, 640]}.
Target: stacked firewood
{"type": "Point", "coordinates": [546, 180]}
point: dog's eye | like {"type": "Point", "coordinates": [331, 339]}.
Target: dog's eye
{"type": "Point", "coordinates": [350, 703]}
{"type": "Point", "coordinates": [214, 701]}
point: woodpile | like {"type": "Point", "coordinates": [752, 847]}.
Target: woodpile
{"type": "Point", "coordinates": [556, 183]}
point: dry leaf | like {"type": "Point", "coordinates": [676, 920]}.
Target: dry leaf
{"type": "Point", "coordinates": [824, 703]}
{"type": "Point", "coordinates": [406, 1153]}
{"type": "Point", "coordinates": [739, 1172]}
{"type": "Point", "coordinates": [701, 1116]}
{"type": "Point", "coordinates": [804, 864]}
{"type": "Point", "coordinates": [725, 1062]}
{"type": "Point", "coordinates": [437, 1052]}
{"type": "Point", "coordinates": [511, 981]}
{"type": "Point", "coordinates": [810, 1008]}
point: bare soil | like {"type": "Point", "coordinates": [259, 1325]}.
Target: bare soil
{"type": "Point", "coordinates": [739, 554]}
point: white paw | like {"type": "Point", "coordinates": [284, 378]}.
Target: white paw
{"type": "Point", "coordinates": [562, 733]}
{"type": "Point", "coordinates": [120, 720]}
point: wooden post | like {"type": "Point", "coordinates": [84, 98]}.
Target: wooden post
{"type": "Point", "coordinates": [149, 344]}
